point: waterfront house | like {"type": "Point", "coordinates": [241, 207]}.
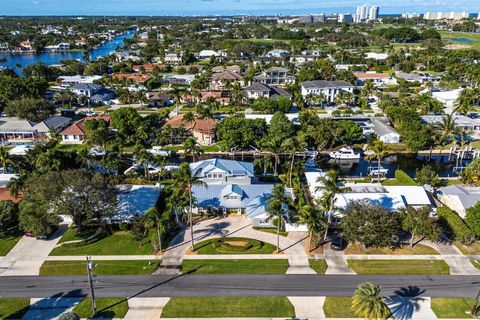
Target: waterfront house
{"type": "Point", "coordinates": [76, 133]}
{"type": "Point", "coordinates": [223, 171]}
{"type": "Point", "coordinates": [134, 201]}
{"type": "Point", "coordinates": [14, 131]}
{"type": "Point", "coordinates": [330, 89]}
{"type": "Point", "coordinates": [385, 132]}
{"type": "Point", "coordinates": [203, 130]}
{"type": "Point", "coordinates": [95, 93]}
{"type": "Point", "coordinates": [68, 81]}
{"type": "Point", "coordinates": [466, 124]}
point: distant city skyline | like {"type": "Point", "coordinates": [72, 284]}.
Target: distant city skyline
{"type": "Point", "coordinates": [222, 7]}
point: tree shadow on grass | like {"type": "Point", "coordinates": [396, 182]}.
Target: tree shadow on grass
{"type": "Point", "coordinates": [405, 302]}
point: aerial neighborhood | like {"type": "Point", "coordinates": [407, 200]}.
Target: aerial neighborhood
{"type": "Point", "coordinates": [150, 151]}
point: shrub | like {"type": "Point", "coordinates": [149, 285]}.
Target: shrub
{"type": "Point", "coordinates": [460, 230]}
{"type": "Point", "coordinates": [404, 179]}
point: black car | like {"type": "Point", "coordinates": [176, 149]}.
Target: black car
{"type": "Point", "coordinates": [337, 243]}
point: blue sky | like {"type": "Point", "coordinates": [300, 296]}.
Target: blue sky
{"type": "Point", "coordinates": [213, 7]}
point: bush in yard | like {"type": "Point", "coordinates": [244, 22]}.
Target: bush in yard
{"type": "Point", "coordinates": [404, 178]}
{"type": "Point", "coordinates": [69, 316]}
{"type": "Point", "coordinates": [460, 230]}
{"type": "Point", "coordinates": [473, 219]}
{"type": "Point", "coordinates": [8, 217]}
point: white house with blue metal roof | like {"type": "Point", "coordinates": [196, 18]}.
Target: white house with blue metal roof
{"type": "Point", "coordinates": [223, 171]}
{"type": "Point", "coordinates": [230, 188]}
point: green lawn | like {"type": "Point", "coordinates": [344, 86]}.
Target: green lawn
{"type": "Point", "coordinates": [6, 244]}
{"type": "Point", "coordinates": [475, 263]}
{"type": "Point", "coordinates": [420, 267]}
{"type": "Point", "coordinates": [338, 307]}
{"type": "Point", "coordinates": [319, 266]}
{"type": "Point", "coordinates": [355, 248]}
{"type": "Point", "coordinates": [228, 307]}
{"type": "Point", "coordinates": [119, 243]}
{"type": "Point", "coordinates": [117, 267]}
{"type": "Point", "coordinates": [13, 308]}
{"type": "Point", "coordinates": [271, 230]}
{"type": "Point", "coordinates": [234, 246]}
{"type": "Point", "coordinates": [458, 308]}
{"type": "Point", "coordinates": [473, 249]}
{"type": "Point", "coordinates": [240, 266]}
{"type": "Point", "coordinates": [70, 235]}
{"type": "Point", "coordinates": [106, 308]}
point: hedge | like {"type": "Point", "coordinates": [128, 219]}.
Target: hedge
{"type": "Point", "coordinates": [460, 230]}
{"type": "Point", "coordinates": [403, 178]}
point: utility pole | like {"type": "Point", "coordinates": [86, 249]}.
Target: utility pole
{"type": "Point", "coordinates": [90, 267]}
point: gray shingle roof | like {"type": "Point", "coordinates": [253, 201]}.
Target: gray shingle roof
{"type": "Point", "coordinates": [326, 84]}
{"type": "Point", "coordinates": [232, 167]}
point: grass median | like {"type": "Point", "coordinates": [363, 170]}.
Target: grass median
{"type": "Point", "coordinates": [416, 267]}
{"type": "Point", "coordinates": [234, 246]}
{"type": "Point", "coordinates": [418, 249]}
{"type": "Point", "coordinates": [13, 308]}
{"type": "Point", "coordinates": [338, 307]}
{"type": "Point", "coordinates": [319, 266]}
{"type": "Point", "coordinates": [211, 307]}
{"type": "Point", "coordinates": [236, 266]}
{"type": "Point", "coordinates": [458, 308]}
{"type": "Point", "coordinates": [7, 243]}
{"type": "Point", "coordinates": [111, 267]}
{"type": "Point", "coordinates": [106, 308]}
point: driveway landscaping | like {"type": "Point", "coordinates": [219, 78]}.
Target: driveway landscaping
{"type": "Point", "coordinates": [418, 267]}
{"type": "Point", "coordinates": [228, 307]}
{"type": "Point", "coordinates": [318, 265]}
{"type": "Point", "coordinates": [7, 243]}
{"type": "Point", "coordinates": [234, 246]}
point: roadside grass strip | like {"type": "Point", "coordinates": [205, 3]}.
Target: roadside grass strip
{"type": "Point", "coordinates": [412, 267]}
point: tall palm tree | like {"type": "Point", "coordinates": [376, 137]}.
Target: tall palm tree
{"type": "Point", "coordinates": [368, 89]}
{"type": "Point", "coordinates": [142, 157]}
{"type": "Point", "coordinates": [466, 100]}
{"type": "Point", "coordinates": [177, 92]}
{"type": "Point", "coordinates": [155, 219]}
{"type": "Point", "coordinates": [5, 159]}
{"type": "Point", "coordinates": [314, 219]}
{"type": "Point", "coordinates": [184, 183]}
{"type": "Point", "coordinates": [265, 163]}
{"type": "Point", "coordinates": [379, 151]}
{"type": "Point", "coordinates": [367, 302]}
{"type": "Point", "coordinates": [292, 145]}
{"type": "Point", "coordinates": [447, 128]}
{"type": "Point", "coordinates": [276, 207]}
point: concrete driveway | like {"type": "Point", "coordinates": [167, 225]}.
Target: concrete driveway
{"type": "Point", "coordinates": [234, 226]}
{"type": "Point", "coordinates": [28, 255]}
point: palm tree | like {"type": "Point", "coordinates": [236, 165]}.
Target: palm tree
{"type": "Point", "coordinates": [379, 151]}
{"type": "Point", "coordinates": [447, 128]}
{"type": "Point", "coordinates": [292, 145]}
{"type": "Point", "coordinates": [154, 219]}
{"type": "Point", "coordinates": [265, 163]}
{"type": "Point", "coordinates": [368, 89]}
{"type": "Point", "coordinates": [276, 205]}
{"type": "Point", "coordinates": [143, 157]}
{"type": "Point", "coordinates": [184, 183]}
{"type": "Point", "coordinates": [177, 93]}
{"type": "Point", "coordinates": [5, 159]}
{"type": "Point", "coordinates": [191, 148]}
{"type": "Point", "coordinates": [466, 100]}
{"type": "Point", "coordinates": [85, 158]}
{"type": "Point", "coordinates": [330, 187]}
{"type": "Point", "coordinates": [367, 302]}
{"type": "Point", "coordinates": [189, 117]}
{"type": "Point", "coordinates": [314, 218]}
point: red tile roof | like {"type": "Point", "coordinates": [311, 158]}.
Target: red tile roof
{"type": "Point", "coordinates": [137, 77]}
{"type": "Point", "coordinates": [199, 125]}
{"type": "Point", "coordinates": [78, 127]}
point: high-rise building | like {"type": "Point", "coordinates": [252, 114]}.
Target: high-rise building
{"type": "Point", "coordinates": [446, 15]}
{"type": "Point", "coordinates": [362, 13]}
{"type": "Point", "coordinates": [373, 13]}
{"type": "Point", "coordinates": [319, 18]}
{"type": "Point", "coordinates": [478, 18]}
{"type": "Point", "coordinates": [410, 15]}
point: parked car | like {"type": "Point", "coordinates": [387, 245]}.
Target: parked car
{"type": "Point", "coordinates": [337, 243]}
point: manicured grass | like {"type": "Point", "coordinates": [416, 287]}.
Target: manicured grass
{"type": "Point", "coordinates": [240, 266]}
{"type": "Point", "coordinates": [197, 307]}
{"type": "Point", "coordinates": [106, 308]}
{"type": "Point", "coordinates": [319, 266]}
{"type": "Point", "coordinates": [338, 307]}
{"type": "Point", "coordinates": [70, 234]}
{"type": "Point", "coordinates": [391, 182]}
{"type": "Point", "coordinates": [117, 267]}
{"type": "Point", "coordinates": [475, 263]}
{"type": "Point", "coordinates": [234, 246]}
{"type": "Point", "coordinates": [119, 243]}
{"type": "Point", "coordinates": [271, 230]}
{"type": "Point", "coordinates": [419, 267]}
{"type": "Point", "coordinates": [474, 37]}
{"type": "Point", "coordinates": [6, 244]}
{"type": "Point", "coordinates": [356, 248]}
{"type": "Point", "coordinates": [473, 249]}
{"type": "Point", "coordinates": [13, 308]}
{"type": "Point", "coordinates": [453, 307]}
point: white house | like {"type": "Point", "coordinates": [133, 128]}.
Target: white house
{"type": "Point", "coordinates": [459, 198]}
{"type": "Point", "coordinates": [376, 56]}
{"type": "Point", "coordinates": [330, 89]}
{"type": "Point", "coordinates": [384, 132]}
{"type": "Point", "coordinates": [448, 98]}
{"type": "Point", "coordinates": [206, 54]}
{"type": "Point", "coordinates": [378, 79]}
{"type": "Point", "coordinates": [221, 171]}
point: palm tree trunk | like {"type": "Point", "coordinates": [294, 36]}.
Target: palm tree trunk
{"type": "Point", "coordinates": [411, 239]}
{"type": "Point", "coordinates": [310, 241]}
{"type": "Point", "coordinates": [291, 168]}
{"type": "Point", "coordinates": [278, 234]}
{"type": "Point", "coordinates": [191, 217]}
{"type": "Point", "coordinates": [159, 240]}
{"type": "Point", "coordinates": [276, 164]}
{"type": "Point", "coordinates": [378, 169]}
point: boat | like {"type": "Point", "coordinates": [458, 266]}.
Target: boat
{"type": "Point", "coordinates": [158, 151]}
{"type": "Point", "coordinates": [345, 154]}
{"type": "Point", "coordinates": [376, 171]}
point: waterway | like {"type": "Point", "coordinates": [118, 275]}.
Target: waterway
{"type": "Point", "coordinates": [18, 61]}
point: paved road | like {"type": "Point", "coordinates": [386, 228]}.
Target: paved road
{"type": "Point", "coordinates": [235, 285]}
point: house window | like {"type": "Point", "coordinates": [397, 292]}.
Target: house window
{"type": "Point", "coordinates": [265, 222]}
{"type": "Point", "coordinates": [232, 197]}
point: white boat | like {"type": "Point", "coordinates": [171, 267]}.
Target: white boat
{"type": "Point", "coordinates": [345, 154]}
{"type": "Point", "coordinates": [158, 151]}
{"type": "Point", "coordinates": [375, 171]}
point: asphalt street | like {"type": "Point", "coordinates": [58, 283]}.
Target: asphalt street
{"type": "Point", "coordinates": [236, 285]}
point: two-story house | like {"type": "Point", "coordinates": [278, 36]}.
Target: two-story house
{"type": "Point", "coordinates": [330, 89]}
{"type": "Point", "coordinates": [259, 90]}
{"type": "Point", "coordinates": [275, 76]}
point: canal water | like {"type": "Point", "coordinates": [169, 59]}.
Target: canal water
{"type": "Point", "coordinates": [443, 165]}
{"type": "Point", "coordinates": [18, 61]}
